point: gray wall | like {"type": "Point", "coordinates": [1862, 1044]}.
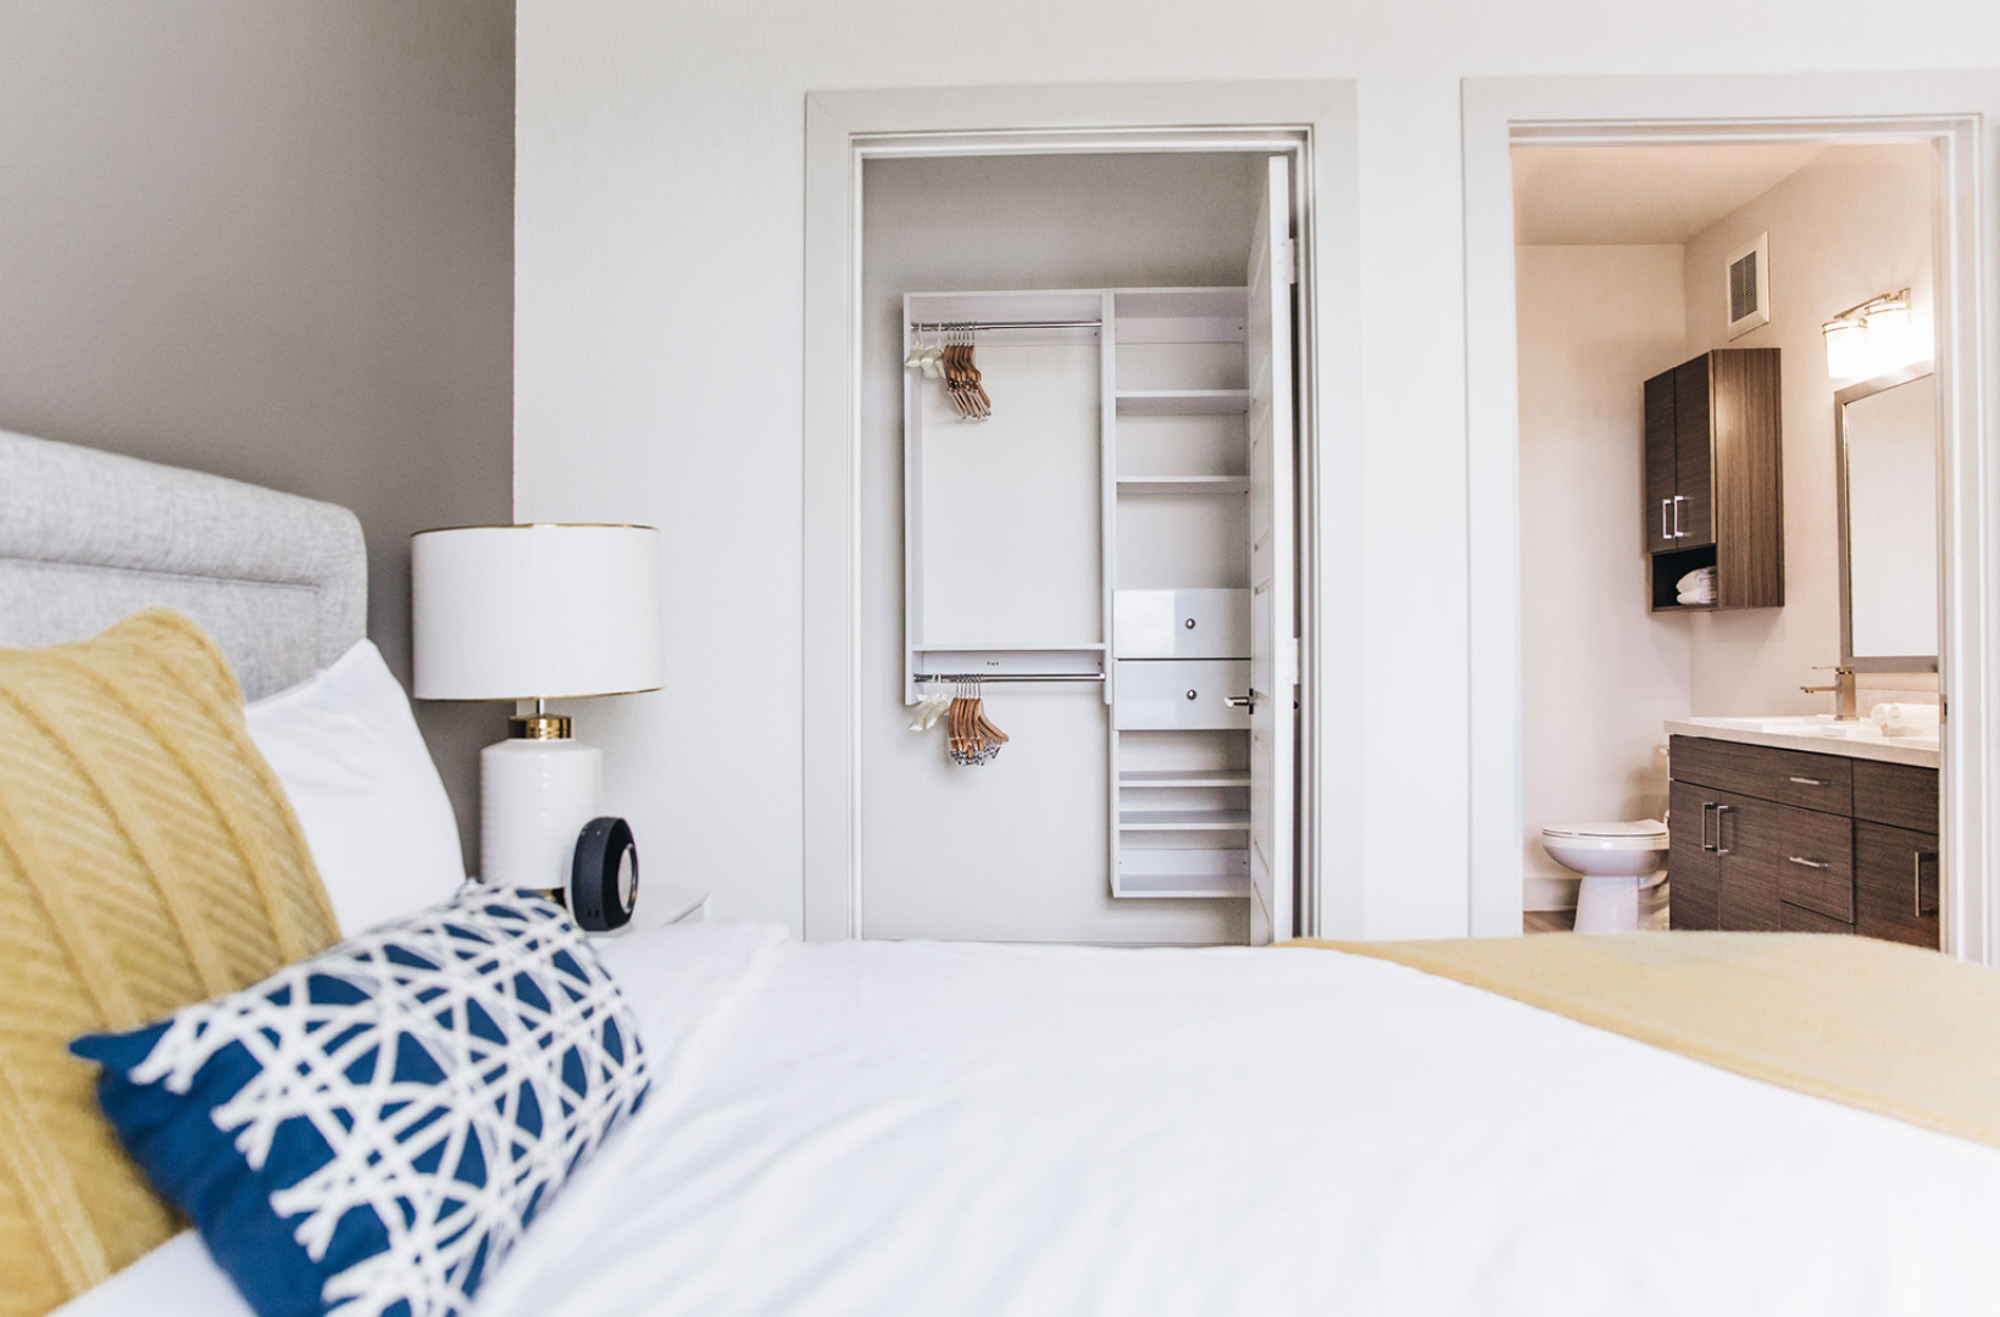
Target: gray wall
{"type": "Point", "coordinates": [273, 239]}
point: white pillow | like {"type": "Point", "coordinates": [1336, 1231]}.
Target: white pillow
{"type": "Point", "coordinates": [346, 749]}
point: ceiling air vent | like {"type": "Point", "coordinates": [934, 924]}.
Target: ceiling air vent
{"type": "Point", "coordinates": [1749, 278]}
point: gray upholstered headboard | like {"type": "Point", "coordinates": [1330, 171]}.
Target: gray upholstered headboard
{"type": "Point", "coordinates": [88, 537]}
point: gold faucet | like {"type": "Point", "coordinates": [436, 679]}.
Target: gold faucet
{"type": "Point", "coordinates": [1843, 687]}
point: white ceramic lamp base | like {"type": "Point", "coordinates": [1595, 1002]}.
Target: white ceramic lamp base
{"type": "Point", "coordinates": [534, 797]}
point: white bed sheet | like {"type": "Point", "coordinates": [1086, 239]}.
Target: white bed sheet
{"type": "Point", "coordinates": [872, 1128]}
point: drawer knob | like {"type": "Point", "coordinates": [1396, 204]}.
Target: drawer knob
{"type": "Point", "coordinates": [1189, 624]}
{"type": "Point", "coordinates": [1193, 694]}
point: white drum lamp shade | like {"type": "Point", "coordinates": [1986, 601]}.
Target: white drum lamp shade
{"type": "Point", "coordinates": [536, 613]}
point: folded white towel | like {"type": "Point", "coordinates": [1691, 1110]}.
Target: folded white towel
{"type": "Point", "coordinates": [1701, 578]}
{"type": "Point", "coordinates": [1905, 719]}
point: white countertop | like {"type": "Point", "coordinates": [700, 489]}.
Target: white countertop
{"type": "Point", "coordinates": [1920, 751]}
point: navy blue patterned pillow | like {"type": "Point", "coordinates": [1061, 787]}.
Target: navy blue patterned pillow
{"type": "Point", "coordinates": [371, 1130]}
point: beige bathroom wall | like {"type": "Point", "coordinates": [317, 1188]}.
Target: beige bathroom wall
{"type": "Point", "coordinates": [1600, 673]}
{"type": "Point", "coordinates": [1855, 222]}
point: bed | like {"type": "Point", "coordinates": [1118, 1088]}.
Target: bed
{"type": "Point", "coordinates": [877, 1128]}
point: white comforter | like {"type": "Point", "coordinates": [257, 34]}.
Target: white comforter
{"type": "Point", "coordinates": [925, 1129]}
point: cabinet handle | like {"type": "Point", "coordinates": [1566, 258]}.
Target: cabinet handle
{"type": "Point", "coordinates": [1814, 781]}
{"type": "Point", "coordinates": [1242, 701]}
{"type": "Point", "coordinates": [1678, 532]}
{"type": "Point", "coordinates": [1917, 859]}
{"type": "Point", "coordinates": [1706, 806]}
{"type": "Point", "coordinates": [1720, 810]}
{"type": "Point", "coordinates": [1810, 864]}
{"type": "Point", "coordinates": [1665, 534]}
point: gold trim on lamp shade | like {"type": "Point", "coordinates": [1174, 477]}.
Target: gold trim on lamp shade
{"type": "Point", "coordinates": [535, 525]}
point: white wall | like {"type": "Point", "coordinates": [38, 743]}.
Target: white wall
{"type": "Point", "coordinates": [1599, 671]}
{"type": "Point", "coordinates": [274, 242]}
{"type": "Point", "coordinates": [1855, 222]}
{"type": "Point", "coordinates": [658, 292]}
{"type": "Point", "coordinates": [1015, 849]}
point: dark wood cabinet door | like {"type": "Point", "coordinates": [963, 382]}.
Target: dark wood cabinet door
{"type": "Point", "coordinates": [1692, 518]}
{"type": "Point", "coordinates": [1896, 884]}
{"type": "Point", "coordinates": [1747, 521]}
{"type": "Point", "coordinates": [1746, 836]}
{"type": "Point", "coordinates": [1693, 891]}
{"type": "Point", "coordinates": [1662, 477]}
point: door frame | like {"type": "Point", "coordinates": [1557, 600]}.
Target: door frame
{"type": "Point", "coordinates": [1949, 109]}
{"type": "Point", "coordinates": [1315, 122]}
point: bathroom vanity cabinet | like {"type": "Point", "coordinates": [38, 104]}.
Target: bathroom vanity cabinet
{"type": "Point", "coordinates": [1714, 493]}
{"type": "Point", "coordinates": [1772, 840]}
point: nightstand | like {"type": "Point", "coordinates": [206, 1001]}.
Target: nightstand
{"type": "Point", "coordinates": [660, 906]}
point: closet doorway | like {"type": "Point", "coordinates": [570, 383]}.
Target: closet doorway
{"type": "Point", "coordinates": [1150, 392]}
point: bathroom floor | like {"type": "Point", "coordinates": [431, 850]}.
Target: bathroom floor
{"type": "Point", "coordinates": [1653, 917]}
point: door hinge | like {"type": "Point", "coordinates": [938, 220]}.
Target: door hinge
{"type": "Point", "coordinates": [1287, 262]}
{"type": "Point", "coordinates": [1294, 660]}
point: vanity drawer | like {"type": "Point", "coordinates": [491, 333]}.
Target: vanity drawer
{"type": "Point", "coordinates": [1812, 855]}
{"type": "Point", "coordinates": [1157, 694]}
{"type": "Point", "coordinates": [1792, 919]}
{"type": "Point", "coordinates": [1789, 777]}
{"type": "Point", "coordinates": [1181, 624]}
{"type": "Point", "coordinates": [1900, 795]}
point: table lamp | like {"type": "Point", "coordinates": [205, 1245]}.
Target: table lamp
{"type": "Point", "coordinates": [536, 613]}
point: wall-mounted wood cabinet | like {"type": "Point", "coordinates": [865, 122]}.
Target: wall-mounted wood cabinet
{"type": "Point", "coordinates": [1782, 841]}
{"type": "Point", "coordinates": [1714, 476]}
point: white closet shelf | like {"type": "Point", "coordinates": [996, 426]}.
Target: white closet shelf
{"type": "Point", "coordinates": [1188, 777]}
{"type": "Point", "coordinates": [972, 647]}
{"type": "Point", "coordinates": [1184, 484]}
{"type": "Point", "coordinates": [1183, 885]}
{"type": "Point", "coordinates": [1184, 402]}
{"type": "Point", "coordinates": [1183, 820]}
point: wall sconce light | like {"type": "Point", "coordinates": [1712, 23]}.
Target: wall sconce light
{"type": "Point", "coordinates": [1864, 338]}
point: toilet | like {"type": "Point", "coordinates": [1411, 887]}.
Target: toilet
{"type": "Point", "coordinates": [1616, 861]}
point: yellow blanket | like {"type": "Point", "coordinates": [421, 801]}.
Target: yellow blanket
{"type": "Point", "coordinates": [1875, 1025]}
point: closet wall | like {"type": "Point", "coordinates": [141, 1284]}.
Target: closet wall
{"type": "Point", "coordinates": [1016, 849]}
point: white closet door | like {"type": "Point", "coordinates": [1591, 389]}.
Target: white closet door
{"type": "Point", "coordinates": [1273, 633]}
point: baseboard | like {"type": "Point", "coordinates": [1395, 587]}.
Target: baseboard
{"type": "Point", "coordinates": [1544, 891]}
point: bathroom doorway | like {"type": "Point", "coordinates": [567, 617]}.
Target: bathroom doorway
{"type": "Point", "coordinates": [1640, 266]}
{"type": "Point", "coordinates": [1611, 301]}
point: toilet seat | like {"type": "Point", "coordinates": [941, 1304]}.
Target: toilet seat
{"type": "Point", "coordinates": [1642, 835]}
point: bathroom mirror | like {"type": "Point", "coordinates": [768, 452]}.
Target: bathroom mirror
{"type": "Point", "coordinates": [1887, 436]}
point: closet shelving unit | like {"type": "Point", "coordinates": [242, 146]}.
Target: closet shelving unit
{"type": "Point", "coordinates": [1166, 626]}
{"type": "Point", "coordinates": [1176, 455]}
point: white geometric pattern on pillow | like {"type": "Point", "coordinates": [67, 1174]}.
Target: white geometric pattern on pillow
{"type": "Point", "coordinates": [425, 981]}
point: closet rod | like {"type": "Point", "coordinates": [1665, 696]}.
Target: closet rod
{"type": "Point", "coordinates": [924, 326]}
{"type": "Point", "coordinates": [1007, 676]}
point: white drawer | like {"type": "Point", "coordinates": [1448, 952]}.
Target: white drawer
{"type": "Point", "coordinates": [1181, 624]}
{"type": "Point", "coordinates": [1161, 694]}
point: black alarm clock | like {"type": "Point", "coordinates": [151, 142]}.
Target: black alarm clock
{"type": "Point", "coordinates": [604, 876]}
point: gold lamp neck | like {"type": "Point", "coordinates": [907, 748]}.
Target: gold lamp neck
{"type": "Point", "coordinates": [539, 727]}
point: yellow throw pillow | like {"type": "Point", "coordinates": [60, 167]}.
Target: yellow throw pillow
{"type": "Point", "coordinates": [148, 860]}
